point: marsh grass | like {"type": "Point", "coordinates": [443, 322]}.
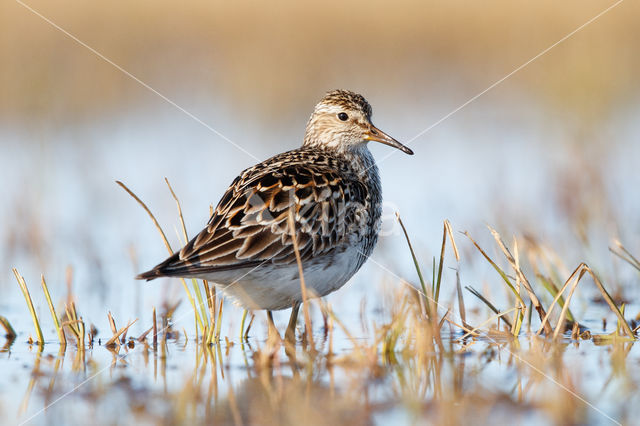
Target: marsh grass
{"type": "Point", "coordinates": [208, 310]}
{"type": "Point", "coordinates": [427, 294]}
{"type": "Point", "coordinates": [9, 332]}
{"type": "Point", "coordinates": [625, 255]}
{"type": "Point", "coordinates": [54, 316]}
{"type": "Point", "coordinates": [207, 320]}
{"type": "Point", "coordinates": [74, 324]}
{"type": "Point", "coordinates": [27, 296]}
{"type": "Point", "coordinates": [119, 336]}
{"type": "Point", "coordinates": [198, 318]}
{"type": "Point", "coordinates": [417, 348]}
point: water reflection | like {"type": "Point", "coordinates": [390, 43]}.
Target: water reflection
{"type": "Point", "coordinates": [268, 383]}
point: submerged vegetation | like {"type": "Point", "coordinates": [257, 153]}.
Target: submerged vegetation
{"type": "Point", "coordinates": [421, 359]}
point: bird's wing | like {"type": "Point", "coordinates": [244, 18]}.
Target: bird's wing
{"type": "Point", "coordinates": [250, 223]}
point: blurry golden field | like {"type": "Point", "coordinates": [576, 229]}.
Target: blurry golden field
{"type": "Point", "coordinates": [270, 58]}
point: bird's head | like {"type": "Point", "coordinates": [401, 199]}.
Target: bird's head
{"type": "Point", "coordinates": [342, 121]}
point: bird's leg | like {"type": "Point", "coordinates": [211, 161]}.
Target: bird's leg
{"type": "Point", "coordinates": [272, 326]}
{"type": "Point", "coordinates": [290, 334]}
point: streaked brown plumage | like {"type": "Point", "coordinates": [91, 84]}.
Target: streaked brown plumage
{"type": "Point", "coordinates": [330, 184]}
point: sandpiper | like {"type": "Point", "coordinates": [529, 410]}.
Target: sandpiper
{"type": "Point", "coordinates": [331, 187]}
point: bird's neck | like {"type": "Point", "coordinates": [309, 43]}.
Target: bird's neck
{"type": "Point", "coordinates": [358, 156]}
{"type": "Point", "coordinates": [362, 159]}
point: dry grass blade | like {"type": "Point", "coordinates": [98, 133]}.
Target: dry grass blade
{"type": "Point", "coordinates": [211, 301]}
{"type": "Point", "coordinates": [25, 291]}
{"type": "Point", "coordinates": [114, 339]}
{"type": "Point", "coordinates": [9, 331]}
{"type": "Point", "coordinates": [505, 278]}
{"type": "Point", "coordinates": [460, 326]}
{"type": "Point", "coordinates": [493, 318]}
{"type": "Point", "coordinates": [246, 333]}
{"type": "Point", "coordinates": [303, 286]}
{"type": "Point", "coordinates": [56, 322]}
{"type": "Point", "coordinates": [525, 282]}
{"type": "Point", "coordinates": [447, 226]}
{"type": "Point", "coordinates": [153, 218]}
{"type": "Point", "coordinates": [207, 291]}
{"type": "Point", "coordinates": [550, 286]}
{"type": "Point", "coordinates": [155, 331]}
{"type": "Point", "coordinates": [112, 323]}
{"type": "Point", "coordinates": [461, 307]}
{"type": "Point", "coordinates": [70, 323]}
{"type": "Point", "coordinates": [563, 313]}
{"type": "Point", "coordinates": [219, 321]}
{"type": "Point", "coordinates": [167, 245]}
{"type": "Point", "coordinates": [502, 274]}
{"type": "Point", "coordinates": [577, 274]}
{"type": "Point", "coordinates": [436, 290]}
{"type": "Point", "coordinates": [82, 334]}
{"type": "Point", "coordinates": [175, 197]}
{"type": "Point", "coordinates": [518, 315]}
{"type": "Point", "coordinates": [445, 231]}
{"type": "Point", "coordinates": [426, 292]}
{"type": "Point", "coordinates": [488, 303]}
{"type": "Point", "coordinates": [242, 321]}
{"type": "Point", "coordinates": [625, 255]}
{"type": "Point", "coordinates": [201, 303]}
{"type": "Point", "coordinates": [444, 317]}
{"type": "Point", "coordinates": [210, 293]}
{"type": "Point", "coordinates": [194, 282]}
{"type": "Point", "coordinates": [607, 297]}
{"type": "Point", "coordinates": [144, 335]}
{"type": "Point", "coordinates": [578, 271]}
{"type": "Point", "coordinates": [72, 320]}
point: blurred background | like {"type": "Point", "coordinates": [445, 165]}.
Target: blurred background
{"type": "Point", "coordinates": [551, 152]}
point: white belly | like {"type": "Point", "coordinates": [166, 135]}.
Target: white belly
{"type": "Point", "coordinates": [274, 288]}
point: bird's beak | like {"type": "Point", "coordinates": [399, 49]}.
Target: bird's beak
{"type": "Point", "coordinates": [377, 135]}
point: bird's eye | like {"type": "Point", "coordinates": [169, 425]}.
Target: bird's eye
{"type": "Point", "coordinates": [343, 116]}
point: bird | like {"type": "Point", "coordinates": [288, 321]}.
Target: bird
{"type": "Point", "coordinates": [330, 187]}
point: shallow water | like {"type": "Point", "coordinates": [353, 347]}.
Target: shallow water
{"type": "Point", "coordinates": [181, 383]}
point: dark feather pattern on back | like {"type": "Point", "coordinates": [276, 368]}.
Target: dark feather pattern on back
{"type": "Point", "coordinates": [250, 227]}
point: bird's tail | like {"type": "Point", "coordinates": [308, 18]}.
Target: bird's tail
{"type": "Point", "coordinates": [164, 269]}
{"type": "Point", "coordinates": [149, 275]}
